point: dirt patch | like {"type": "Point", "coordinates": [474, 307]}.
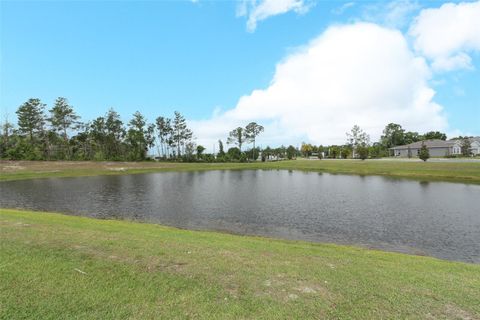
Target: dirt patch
{"type": "Point", "coordinates": [13, 168]}
{"type": "Point", "coordinates": [452, 312]}
{"type": "Point", "coordinates": [282, 288]}
{"type": "Point", "coordinates": [457, 313]}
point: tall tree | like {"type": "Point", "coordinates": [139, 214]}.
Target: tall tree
{"type": "Point", "coordinates": [31, 117]}
{"type": "Point", "coordinates": [252, 130]}
{"type": "Point", "coordinates": [98, 133]}
{"type": "Point", "coordinates": [180, 131]}
{"type": "Point", "coordinates": [115, 133]}
{"type": "Point", "coordinates": [221, 152]}
{"type": "Point", "coordinates": [237, 137]}
{"type": "Point", "coordinates": [63, 117]}
{"type": "Point", "coordinates": [411, 137]}
{"type": "Point", "coordinates": [5, 141]}
{"type": "Point", "coordinates": [7, 130]}
{"type": "Point", "coordinates": [140, 136]}
{"type": "Point", "coordinates": [393, 135]}
{"type": "Point", "coordinates": [163, 130]}
{"type": "Point", "coordinates": [435, 135]}
{"type": "Point", "coordinates": [357, 138]}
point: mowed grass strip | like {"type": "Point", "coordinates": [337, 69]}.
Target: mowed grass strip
{"type": "Point", "coordinates": [54, 266]}
{"type": "Point", "coordinates": [468, 172]}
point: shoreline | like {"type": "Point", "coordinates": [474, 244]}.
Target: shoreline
{"type": "Point", "coordinates": [448, 171]}
{"type": "Point", "coordinates": [107, 268]}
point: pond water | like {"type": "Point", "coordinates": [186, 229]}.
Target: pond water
{"type": "Point", "coordinates": [430, 218]}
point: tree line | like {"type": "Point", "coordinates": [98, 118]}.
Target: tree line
{"type": "Point", "coordinates": [58, 134]}
{"type": "Point", "coordinates": [358, 144]}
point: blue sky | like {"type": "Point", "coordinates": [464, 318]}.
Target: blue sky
{"type": "Point", "coordinates": [201, 58]}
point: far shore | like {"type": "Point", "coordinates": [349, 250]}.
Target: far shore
{"type": "Point", "coordinates": [451, 170]}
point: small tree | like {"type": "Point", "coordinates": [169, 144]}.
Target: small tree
{"type": "Point", "coordinates": [466, 145]}
{"type": "Point", "coordinates": [291, 152]}
{"type": "Point", "coordinates": [333, 152]}
{"type": "Point", "coordinates": [424, 154]}
{"type": "Point", "coordinates": [200, 150]}
{"type": "Point", "coordinates": [306, 149]}
{"type": "Point", "coordinates": [344, 153]}
{"type": "Point", "coordinates": [234, 153]}
{"type": "Point", "coordinates": [362, 152]}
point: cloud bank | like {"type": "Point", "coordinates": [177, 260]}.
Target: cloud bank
{"type": "Point", "coordinates": [360, 73]}
{"type": "Point", "coordinates": [447, 34]}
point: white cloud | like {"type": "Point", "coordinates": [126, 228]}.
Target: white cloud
{"type": "Point", "coordinates": [394, 14]}
{"type": "Point", "coordinates": [447, 63]}
{"type": "Point", "coordinates": [343, 8]}
{"type": "Point", "coordinates": [446, 34]}
{"type": "Point", "coordinates": [361, 74]}
{"type": "Point", "coordinates": [263, 9]}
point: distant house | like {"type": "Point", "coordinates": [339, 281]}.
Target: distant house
{"type": "Point", "coordinates": [437, 148]}
{"type": "Point", "coordinates": [475, 146]}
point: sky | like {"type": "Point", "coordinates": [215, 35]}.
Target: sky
{"type": "Point", "coordinates": [306, 70]}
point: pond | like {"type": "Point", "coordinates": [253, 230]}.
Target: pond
{"type": "Point", "coordinates": [429, 218]}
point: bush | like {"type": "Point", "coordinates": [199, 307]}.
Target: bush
{"type": "Point", "coordinates": [362, 152]}
{"type": "Point", "coordinates": [424, 154]}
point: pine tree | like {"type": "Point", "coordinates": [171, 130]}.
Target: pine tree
{"type": "Point", "coordinates": [252, 130]}
{"type": "Point", "coordinates": [62, 119]}
{"type": "Point", "coordinates": [31, 117]}
{"type": "Point", "coordinates": [424, 154]}
{"type": "Point", "coordinates": [237, 137]}
{"type": "Point", "coordinates": [180, 132]}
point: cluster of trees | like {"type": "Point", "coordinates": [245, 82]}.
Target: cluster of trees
{"type": "Point", "coordinates": [239, 137]}
{"type": "Point", "coordinates": [394, 135]}
{"type": "Point", "coordinates": [60, 135]}
{"type": "Point", "coordinates": [358, 144]}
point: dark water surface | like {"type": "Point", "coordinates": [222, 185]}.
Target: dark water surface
{"type": "Point", "coordinates": [432, 218]}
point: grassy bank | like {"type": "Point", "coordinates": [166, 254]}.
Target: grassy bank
{"type": "Point", "coordinates": [445, 171]}
{"type": "Point", "coordinates": [54, 266]}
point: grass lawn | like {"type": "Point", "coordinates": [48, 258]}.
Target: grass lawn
{"type": "Point", "coordinates": [54, 266]}
{"type": "Point", "coordinates": [447, 171]}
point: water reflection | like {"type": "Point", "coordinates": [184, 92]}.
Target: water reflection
{"type": "Point", "coordinates": [433, 218]}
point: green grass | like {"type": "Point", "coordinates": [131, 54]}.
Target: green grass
{"type": "Point", "coordinates": [468, 172]}
{"type": "Point", "coordinates": [62, 267]}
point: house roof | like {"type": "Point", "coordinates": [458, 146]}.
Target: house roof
{"type": "Point", "coordinates": [435, 143]}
